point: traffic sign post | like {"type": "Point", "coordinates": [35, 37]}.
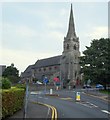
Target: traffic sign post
{"type": "Point", "coordinates": [26, 98]}
{"type": "Point", "coordinates": [45, 87]}
{"type": "Point", "coordinates": [45, 82]}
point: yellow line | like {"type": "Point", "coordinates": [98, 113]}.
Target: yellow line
{"type": "Point", "coordinates": [54, 111]}
{"type": "Point", "coordinates": [68, 98]}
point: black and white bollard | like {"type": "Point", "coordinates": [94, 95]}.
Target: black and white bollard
{"type": "Point", "coordinates": [51, 91]}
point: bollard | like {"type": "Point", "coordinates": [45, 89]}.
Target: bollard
{"type": "Point", "coordinates": [51, 91]}
{"type": "Point", "coordinates": [56, 87]}
{"type": "Point", "coordinates": [69, 87]}
{"type": "Point", "coordinates": [77, 96]}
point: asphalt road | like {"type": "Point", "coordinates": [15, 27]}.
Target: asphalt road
{"type": "Point", "coordinates": [68, 107]}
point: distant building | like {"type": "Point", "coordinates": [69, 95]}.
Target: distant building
{"type": "Point", "coordinates": [2, 68]}
{"type": "Point", "coordinates": [66, 66]}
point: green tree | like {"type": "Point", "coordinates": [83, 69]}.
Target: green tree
{"type": "Point", "coordinates": [6, 84]}
{"type": "Point", "coordinates": [95, 61]}
{"type": "Point", "coordinates": [11, 73]}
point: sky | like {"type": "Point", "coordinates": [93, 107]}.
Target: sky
{"type": "Point", "coordinates": [36, 30]}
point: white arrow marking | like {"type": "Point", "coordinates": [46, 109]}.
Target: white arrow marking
{"type": "Point", "coordinates": [105, 111]}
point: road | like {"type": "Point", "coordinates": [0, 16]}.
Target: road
{"type": "Point", "coordinates": [68, 107]}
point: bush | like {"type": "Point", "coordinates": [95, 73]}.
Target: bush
{"type": "Point", "coordinates": [12, 101]}
{"type": "Point", "coordinates": [21, 86]}
{"type": "Point", "coordinates": [6, 84]}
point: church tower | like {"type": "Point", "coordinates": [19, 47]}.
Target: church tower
{"type": "Point", "coordinates": [70, 68]}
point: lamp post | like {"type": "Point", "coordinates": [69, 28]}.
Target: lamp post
{"type": "Point", "coordinates": [26, 98]}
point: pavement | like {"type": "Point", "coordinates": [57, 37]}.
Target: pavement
{"type": "Point", "coordinates": [33, 111]}
{"type": "Point", "coordinates": [96, 93]}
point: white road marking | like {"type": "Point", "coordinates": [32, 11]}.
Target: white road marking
{"type": "Point", "coordinates": [92, 104]}
{"type": "Point", "coordinates": [105, 111]}
{"type": "Point", "coordinates": [39, 92]}
{"type": "Point", "coordinates": [33, 93]}
{"type": "Point", "coordinates": [36, 92]}
{"type": "Point", "coordinates": [87, 104]}
{"type": "Point", "coordinates": [40, 97]}
{"type": "Point", "coordinates": [48, 111]}
{"type": "Point", "coordinates": [45, 98]}
{"type": "Point", "coordinates": [84, 104]}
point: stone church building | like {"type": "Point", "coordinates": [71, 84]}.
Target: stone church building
{"type": "Point", "coordinates": [65, 66]}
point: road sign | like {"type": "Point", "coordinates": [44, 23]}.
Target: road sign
{"type": "Point", "coordinates": [45, 80]}
{"type": "Point", "coordinates": [77, 96]}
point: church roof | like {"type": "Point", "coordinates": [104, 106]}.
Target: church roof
{"type": "Point", "coordinates": [48, 62]}
{"type": "Point", "coordinates": [28, 71]}
{"type": "Point", "coordinates": [29, 68]}
{"type": "Point", "coordinates": [41, 63]}
{"type": "Point", "coordinates": [71, 28]}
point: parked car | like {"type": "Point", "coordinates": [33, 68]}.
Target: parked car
{"type": "Point", "coordinates": [99, 86]}
{"type": "Point", "coordinates": [86, 86]}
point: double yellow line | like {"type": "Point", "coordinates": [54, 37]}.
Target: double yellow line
{"type": "Point", "coordinates": [54, 111]}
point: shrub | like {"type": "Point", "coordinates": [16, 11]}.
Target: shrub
{"type": "Point", "coordinates": [21, 86]}
{"type": "Point", "coordinates": [6, 84]}
{"type": "Point", "coordinates": [12, 101]}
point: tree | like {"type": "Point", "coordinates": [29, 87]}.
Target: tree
{"type": "Point", "coordinates": [11, 73]}
{"type": "Point", "coordinates": [6, 84]}
{"type": "Point", "coordinates": [95, 62]}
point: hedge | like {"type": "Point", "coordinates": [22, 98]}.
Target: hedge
{"type": "Point", "coordinates": [12, 101]}
{"type": "Point", "coordinates": [21, 86]}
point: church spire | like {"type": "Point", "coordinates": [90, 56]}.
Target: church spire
{"type": "Point", "coordinates": [71, 28]}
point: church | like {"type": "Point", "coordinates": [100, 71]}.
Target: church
{"type": "Point", "coordinates": [65, 66]}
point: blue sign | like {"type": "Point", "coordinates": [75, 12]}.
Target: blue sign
{"type": "Point", "coordinates": [45, 80]}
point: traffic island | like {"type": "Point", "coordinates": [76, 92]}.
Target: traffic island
{"type": "Point", "coordinates": [56, 95]}
{"type": "Point", "coordinates": [51, 93]}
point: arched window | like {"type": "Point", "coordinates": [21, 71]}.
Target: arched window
{"type": "Point", "coordinates": [75, 57]}
{"type": "Point", "coordinates": [50, 68]}
{"type": "Point", "coordinates": [55, 67]}
{"type": "Point", "coordinates": [64, 46]}
{"type": "Point", "coordinates": [74, 47]}
{"type": "Point", "coordinates": [68, 46]}
{"type": "Point", "coordinates": [44, 69]}
{"type": "Point", "coordinates": [75, 73]}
